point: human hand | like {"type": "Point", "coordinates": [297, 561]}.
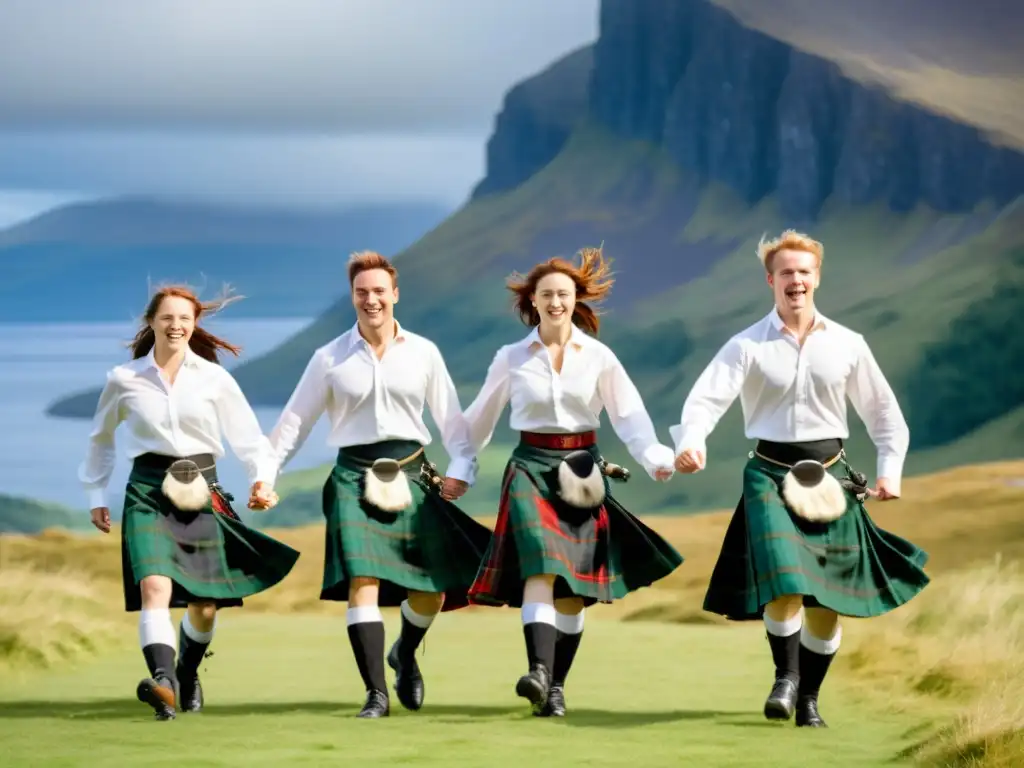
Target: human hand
{"type": "Point", "coordinates": [101, 518]}
{"type": "Point", "coordinates": [453, 489]}
{"type": "Point", "coordinates": [882, 491]}
{"type": "Point", "coordinates": [262, 497]}
{"type": "Point", "coordinates": [661, 474]}
{"type": "Point", "coordinates": [689, 461]}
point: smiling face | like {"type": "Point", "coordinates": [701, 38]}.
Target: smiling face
{"type": "Point", "coordinates": [794, 278]}
{"type": "Point", "coordinates": [555, 299]}
{"type": "Point", "coordinates": [374, 295]}
{"type": "Point", "coordinates": [173, 324]}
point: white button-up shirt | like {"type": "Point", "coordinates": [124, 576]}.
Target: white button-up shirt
{"type": "Point", "coordinates": [543, 400]}
{"type": "Point", "coordinates": [182, 419]}
{"type": "Point", "coordinates": [369, 400]}
{"type": "Point", "coordinates": [790, 393]}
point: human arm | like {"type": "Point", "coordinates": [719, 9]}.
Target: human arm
{"type": "Point", "coordinates": [483, 413]}
{"type": "Point", "coordinates": [876, 404]}
{"type": "Point", "coordinates": [630, 420]}
{"type": "Point", "coordinates": [303, 409]}
{"type": "Point", "coordinates": [245, 436]}
{"type": "Point", "coordinates": [96, 469]}
{"type": "Point", "coordinates": [443, 402]}
{"type": "Point", "coordinates": [712, 394]}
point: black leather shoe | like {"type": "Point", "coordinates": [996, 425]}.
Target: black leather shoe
{"type": "Point", "coordinates": [160, 694]}
{"type": "Point", "coordinates": [408, 680]}
{"type": "Point", "coordinates": [534, 686]}
{"type": "Point", "coordinates": [190, 692]}
{"type": "Point", "coordinates": [782, 700]}
{"type": "Point", "coordinates": [807, 713]}
{"type": "Point", "coordinates": [377, 705]}
{"type": "Point", "coordinates": [555, 705]}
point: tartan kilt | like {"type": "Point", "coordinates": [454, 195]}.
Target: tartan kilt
{"type": "Point", "coordinates": [848, 565]}
{"type": "Point", "coordinates": [599, 556]}
{"type": "Point", "coordinates": [431, 546]}
{"type": "Point", "coordinates": [209, 555]}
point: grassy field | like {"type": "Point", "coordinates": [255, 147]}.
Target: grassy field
{"type": "Point", "coordinates": [939, 682]}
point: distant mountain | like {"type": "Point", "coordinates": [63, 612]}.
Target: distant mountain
{"type": "Point", "coordinates": [286, 263]}
{"type": "Point", "coordinates": [19, 515]}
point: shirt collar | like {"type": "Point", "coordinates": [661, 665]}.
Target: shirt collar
{"type": "Point", "coordinates": [355, 338]}
{"type": "Point", "coordinates": [191, 359]}
{"type": "Point", "coordinates": [576, 338]}
{"type": "Point", "coordinates": [820, 322]}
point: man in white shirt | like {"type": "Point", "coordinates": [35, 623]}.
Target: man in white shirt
{"type": "Point", "coordinates": [801, 549]}
{"type": "Point", "coordinates": [394, 536]}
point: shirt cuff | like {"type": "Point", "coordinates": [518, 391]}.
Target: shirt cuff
{"type": "Point", "coordinates": [463, 469]}
{"type": "Point", "coordinates": [891, 468]}
{"type": "Point", "coordinates": [684, 440]}
{"type": "Point", "coordinates": [266, 472]}
{"type": "Point", "coordinates": [97, 498]}
{"type": "Point", "coordinates": [657, 457]}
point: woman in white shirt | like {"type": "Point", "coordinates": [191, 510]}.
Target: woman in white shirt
{"type": "Point", "coordinates": [801, 549]}
{"type": "Point", "coordinates": [181, 542]}
{"type": "Point", "coordinates": [561, 541]}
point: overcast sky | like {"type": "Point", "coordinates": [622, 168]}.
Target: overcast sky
{"type": "Point", "coordinates": [303, 101]}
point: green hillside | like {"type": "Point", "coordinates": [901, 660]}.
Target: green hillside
{"type": "Point", "coordinates": [688, 279]}
{"type": "Point", "coordinates": [27, 516]}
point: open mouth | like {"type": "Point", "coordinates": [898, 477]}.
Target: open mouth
{"type": "Point", "coordinates": [372, 311]}
{"type": "Point", "coordinates": [796, 293]}
{"type": "Point", "coordinates": [556, 312]}
{"type": "Point", "coordinates": [176, 335]}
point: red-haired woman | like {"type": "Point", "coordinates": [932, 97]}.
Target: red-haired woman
{"type": "Point", "coordinates": [181, 542]}
{"type": "Point", "coordinates": [561, 542]}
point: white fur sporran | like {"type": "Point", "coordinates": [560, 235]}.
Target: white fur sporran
{"type": "Point", "coordinates": [387, 487]}
{"type": "Point", "coordinates": [580, 481]}
{"type": "Point", "coordinates": [185, 487]}
{"type": "Point", "coordinates": [812, 493]}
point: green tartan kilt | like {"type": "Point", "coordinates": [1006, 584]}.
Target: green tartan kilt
{"type": "Point", "coordinates": [599, 555]}
{"type": "Point", "coordinates": [848, 565]}
{"type": "Point", "coordinates": [431, 546]}
{"type": "Point", "coordinates": [209, 555]}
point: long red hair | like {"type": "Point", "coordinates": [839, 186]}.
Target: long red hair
{"type": "Point", "coordinates": [593, 280]}
{"type": "Point", "coordinates": [203, 343]}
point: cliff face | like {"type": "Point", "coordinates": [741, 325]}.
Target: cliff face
{"type": "Point", "coordinates": [740, 107]}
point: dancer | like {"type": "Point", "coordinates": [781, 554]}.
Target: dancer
{"type": "Point", "coordinates": [394, 535]}
{"type": "Point", "coordinates": [181, 542]}
{"type": "Point", "coordinates": [561, 541]}
{"type": "Point", "coordinates": [801, 549]}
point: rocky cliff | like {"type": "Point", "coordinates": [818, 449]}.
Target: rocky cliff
{"type": "Point", "coordinates": [737, 106]}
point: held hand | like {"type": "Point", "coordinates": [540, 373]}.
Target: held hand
{"type": "Point", "coordinates": [453, 489]}
{"type": "Point", "coordinates": [689, 461]}
{"type": "Point", "coordinates": [101, 518]}
{"type": "Point", "coordinates": [261, 497]}
{"type": "Point", "coordinates": [661, 474]}
{"type": "Point", "coordinates": [881, 490]}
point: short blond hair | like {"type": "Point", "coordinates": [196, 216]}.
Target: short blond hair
{"type": "Point", "coordinates": [790, 240]}
{"type": "Point", "coordinates": [362, 261]}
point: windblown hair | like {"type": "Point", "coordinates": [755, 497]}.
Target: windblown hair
{"type": "Point", "coordinates": [593, 283]}
{"type": "Point", "coordinates": [361, 261]}
{"type": "Point", "coordinates": [790, 240]}
{"type": "Point", "coordinates": [203, 343]}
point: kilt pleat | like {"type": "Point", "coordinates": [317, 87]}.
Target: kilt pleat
{"type": "Point", "coordinates": [849, 565]}
{"type": "Point", "coordinates": [209, 555]}
{"type": "Point", "coordinates": [599, 556]}
{"type": "Point", "coordinates": [432, 546]}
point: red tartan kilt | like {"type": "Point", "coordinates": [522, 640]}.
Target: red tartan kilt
{"type": "Point", "coordinates": [537, 533]}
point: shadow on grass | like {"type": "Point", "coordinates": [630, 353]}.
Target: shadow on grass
{"type": "Point", "coordinates": [127, 709]}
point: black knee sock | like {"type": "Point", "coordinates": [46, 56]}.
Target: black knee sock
{"type": "Point", "coordinates": [786, 654]}
{"type": "Point", "coordinates": [540, 644]}
{"type": "Point", "coordinates": [412, 634]}
{"type": "Point", "coordinates": [566, 646]}
{"type": "Point", "coordinates": [367, 640]}
{"type": "Point", "coordinates": [191, 653]}
{"type": "Point", "coordinates": [160, 660]}
{"type": "Point", "coordinates": [813, 668]}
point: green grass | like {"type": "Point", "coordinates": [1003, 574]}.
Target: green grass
{"type": "Point", "coordinates": [286, 689]}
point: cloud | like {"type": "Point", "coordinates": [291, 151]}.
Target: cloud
{"type": "Point", "coordinates": [330, 66]}
{"type": "Point", "coordinates": [282, 170]}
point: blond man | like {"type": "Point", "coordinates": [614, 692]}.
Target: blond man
{"type": "Point", "coordinates": [801, 549]}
